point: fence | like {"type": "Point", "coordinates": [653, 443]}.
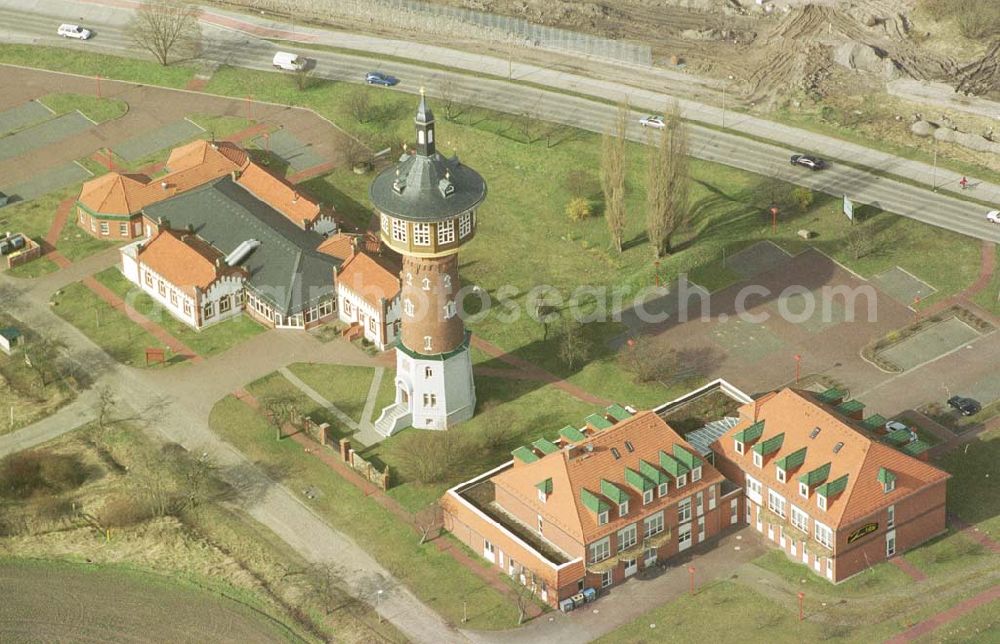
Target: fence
{"type": "Point", "coordinates": [454, 22]}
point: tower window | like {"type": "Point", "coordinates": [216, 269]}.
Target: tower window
{"type": "Point", "coordinates": [385, 224]}
{"type": "Point", "coordinates": [420, 137]}
{"type": "Point", "coordinates": [408, 307]}
{"type": "Point", "coordinates": [399, 230]}
{"type": "Point", "coordinates": [427, 343]}
{"type": "Point", "coordinates": [465, 225]}
{"type": "Point", "coordinates": [428, 372]}
{"type": "Point", "coordinates": [422, 234]}
{"type": "Point", "coordinates": [449, 310]}
{"type": "Point", "coordinates": [447, 282]}
{"type": "Point", "coordinates": [446, 231]}
{"type": "Point", "coordinates": [430, 400]}
{"type": "Point", "coordinates": [425, 284]}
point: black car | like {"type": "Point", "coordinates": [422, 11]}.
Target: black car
{"type": "Point", "coordinates": [807, 161]}
{"type": "Point", "coordinates": [965, 406]}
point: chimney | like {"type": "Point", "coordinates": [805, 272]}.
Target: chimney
{"type": "Point", "coordinates": [163, 184]}
{"type": "Point", "coordinates": [355, 241]}
{"type": "Point", "coordinates": [295, 196]}
{"type": "Point", "coordinates": [218, 262]}
{"type": "Point", "coordinates": [235, 175]}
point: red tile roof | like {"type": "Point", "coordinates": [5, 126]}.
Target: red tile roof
{"type": "Point", "coordinates": [191, 165]}
{"type": "Point", "coordinates": [797, 414]}
{"type": "Point", "coordinates": [372, 278]}
{"type": "Point", "coordinates": [576, 469]}
{"type": "Point", "coordinates": [279, 195]}
{"type": "Point", "coordinates": [185, 260]}
{"type": "Point", "coordinates": [339, 245]}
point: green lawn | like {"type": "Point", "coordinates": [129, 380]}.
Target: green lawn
{"type": "Point", "coordinates": [92, 64]}
{"type": "Point", "coordinates": [107, 327]}
{"type": "Point", "coordinates": [209, 341]}
{"type": "Point", "coordinates": [276, 387]}
{"type": "Point", "coordinates": [437, 579]}
{"type": "Point", "coordinates": [510, 413]}
{"type": "Point", "coordinates": [881, 578]}
{"type": "Point", "coordinates": [35, 268]}
{"type": "Point", "coordinates": [75, 244]}
{"type": "Point", "coordinates": [34, 218]}
{"type": "Point", "coordinates": [96, 109]}
{"type": "Point", "coordinates": [344, 386]}
{"type": "Point", "coordinates": [973, 492]}
{"type": "Point", "coordinates": [949, 552]}
{"type": "Point", "coordinates": [989, 297]}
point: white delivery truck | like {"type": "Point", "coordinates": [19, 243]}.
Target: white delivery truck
{"type": "Point", "coordinates": [289, 62]}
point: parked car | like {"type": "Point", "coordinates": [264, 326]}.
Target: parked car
{"type": "Point", "coordinates": [289, 62]}
{"type": "Point", "coordinates": [74, 31]}
{"type": "Point", "coordinates": [965, 406]}
{"type": "Point", "coordinates": [993, 216]}
{"type": "Point", "coordinates": [895, 425]}
{"type": "Point", "coordinates": [808, 161]}
{"type": "Point", "coordinates": [380, 78]}
{"type": "Point", "coordinates": [652, 121]}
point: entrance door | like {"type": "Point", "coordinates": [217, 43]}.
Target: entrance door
{"type": "Point", "coordinates": [650, 559]}
{"type": "Point", "coordinates": [890, 543]}
{"type": "Point", "coordinates": [684, 537]}
{"type": "Point", "coordinates": [631, 566]}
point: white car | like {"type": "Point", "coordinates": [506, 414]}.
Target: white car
{"type": "Point", "coordinates": [74, 31]}
{"type": "Point", "coordinates": [895, 425]}
{"type": "Point", "coordinates": [652, 121]}
{"type": "Point", "coordinates": [993, 216]}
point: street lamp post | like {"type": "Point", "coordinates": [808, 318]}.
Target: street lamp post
{"type": "Point", "coordinates": [802, 596]}
{"type": "Point", "coordinates": [378, 602]}
{"type": "Point", "coordinates": [725, 89]}
{"type": "Point", "coordinates": [691, 575]}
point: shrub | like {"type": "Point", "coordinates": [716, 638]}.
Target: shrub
{"type": "Point", "coordinates": [578, 209]}
{"type": "Point", "coordinates": [428, 457]}
{"type": "Point", "coordinates": [647, 364]}
{"type": "Point", "coordinates": [122, 511]}
{"type": "Point", "coordinates": [581, 183]}
{"type": "Point", "coordinates": [27, 473]}
{"type": "Point", "coordinates": [803, 198]}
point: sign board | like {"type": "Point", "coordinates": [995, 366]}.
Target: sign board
{"type": "Point", "coordinates": [155, 356]}
{"type": "Point", "coordinates": [848, 208]}
{"type": "Point", "coordinates": [863, 531]}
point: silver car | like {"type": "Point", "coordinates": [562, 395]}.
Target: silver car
{"type": "Point", "coordinates": [74, 31]}
{"type": "Point", "coordinates": [653, 121]}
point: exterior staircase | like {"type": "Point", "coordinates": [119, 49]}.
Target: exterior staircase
{"type": "Point", "coordinates": [353, 332]}
{"type": "Point", "coordinates": [393, 418]}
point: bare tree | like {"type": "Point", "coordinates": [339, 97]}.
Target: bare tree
{"type": "Point", "coordinates": [304, 78]}
{"type": "Point", "coordinates": [860, 240]}
{"type": "Point", "coordinates": [280, 410]}
{"type": "Point", "coordinates": [647, 363]}
{"type": "Point", "coordinates": [44, 357]}
{"type": "Point", "coordinates": [523, 594]}
{"type": "Point", "coordinates": [166, 29]}
{"type": "Point", "coordinates": [427, 521]}
{"type": "Point", "coordinates": [668, 183]}
{"type": "Point", "coordinates": [359, 103]}
{"type": "Point", "coordinates": [613, 171]}
{"type": "Point", "coordinates": [447, 94]}
{"type": "Point", "coordinates": [573, 345]}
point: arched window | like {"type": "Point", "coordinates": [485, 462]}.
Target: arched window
{"type": "Point", "coordinates": [430, 136]}
{"type": "Point", "coordinates": [420, 137]}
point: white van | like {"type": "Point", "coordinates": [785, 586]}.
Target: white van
{"type": "Point", "coordinates": [289, 62]}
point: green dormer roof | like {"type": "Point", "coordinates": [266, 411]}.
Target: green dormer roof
{"type": "Point", "coordinates": [545, 446]}
{"type": "Point", "coordinates": [833, 487]}
{"type": "Point", "coordinates": [874, 422]}
{"type": "Point", "coordinates": [751, 433]}
{"type": "Point", "coordinates": [850, 406]}
{"type": "Point", "coordinates": [545, 486]}
{"type": "Point", "coordinates": [572, 434]}
{"type": "Point", "coordinates": [652, 472]}
{"type": "Point", "coordinates": [524, 454]}
{"type": "Point", "coordinates": [638, 482]}
{"type": "Point", "coordinates": [686, 457]}
{"type": "Point", "coordinates": [593, 502]}
{"type": "Point", "coordinates": [915, 448]}
{"type": "Point", "coordinates": [598, 421]}
{"type": "Point", "coordinates": [816, 476]}
{"type": "Point", "coordinates": [885, 476]}
{"type": "Point", "coordinates": [898, 436]}
{"type": "Point", "coordinates": [770, 446]}
{"type": "Point", "coordinates": [613, 492]}
{"type": "Point", "coordinates": [792, 461]}
{"type": "Point", "coordinates": [618, 412]}
{"type": "Point", "coordinates": [831, 395]}
{"type": "Point", "coordinates": [673, 467]}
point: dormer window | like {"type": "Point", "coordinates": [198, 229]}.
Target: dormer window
{"type": "Point", "coordinates": [681, 481]}
{"type": "Point", "coordinates": [779, 474]}
{"type": "Point", "coordinates": [447, 188]}
{"type": "Point", "coordinates": [542, 496]}
{"type": "Point", "coordinates": [602, 518]}
{"type": "Point", "coordinates": [647, 496]}
{"type": "Point", "coordinates": [696, 474]}
{"type": "Point", "coordinates": [758, 460]}
{"type": "Point", "coordinates": [623, 508]}
{"type": "Point", "coordinates": [803, 490]}
{"type": "Point", "coordinates": [738, 446]}
{"type": "Point", "coordinates": [887, 479]}
{"type": "Point", "coordinates": [663, 490]}
{"type": "Point", "coordinates": [889, 486]}
{"type": "Point", "coordinates": [821, 501]}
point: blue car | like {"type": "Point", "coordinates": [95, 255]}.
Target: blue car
{"type": "Point", "coordinates": [378, 78]}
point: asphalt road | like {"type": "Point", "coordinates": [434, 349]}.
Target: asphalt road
{"type": "Point", "coordinates": [229, 46]}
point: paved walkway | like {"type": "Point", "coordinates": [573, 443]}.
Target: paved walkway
{"type": "Point", "coordinates": [909, 569]}
{"type": "Point", "coordinates": [944, 617]}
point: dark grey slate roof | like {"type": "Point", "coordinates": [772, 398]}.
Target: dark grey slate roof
{"type": "Point", "coordinates": [285, 270]}
{"type": "Point", "coordinates": [421, 198]}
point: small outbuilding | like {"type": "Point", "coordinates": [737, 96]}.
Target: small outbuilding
{"type": "Point", "coordinates": [9, 338]}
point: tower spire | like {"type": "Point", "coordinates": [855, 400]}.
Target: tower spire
{"type": "Point", "coordinates": [424, 121]}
